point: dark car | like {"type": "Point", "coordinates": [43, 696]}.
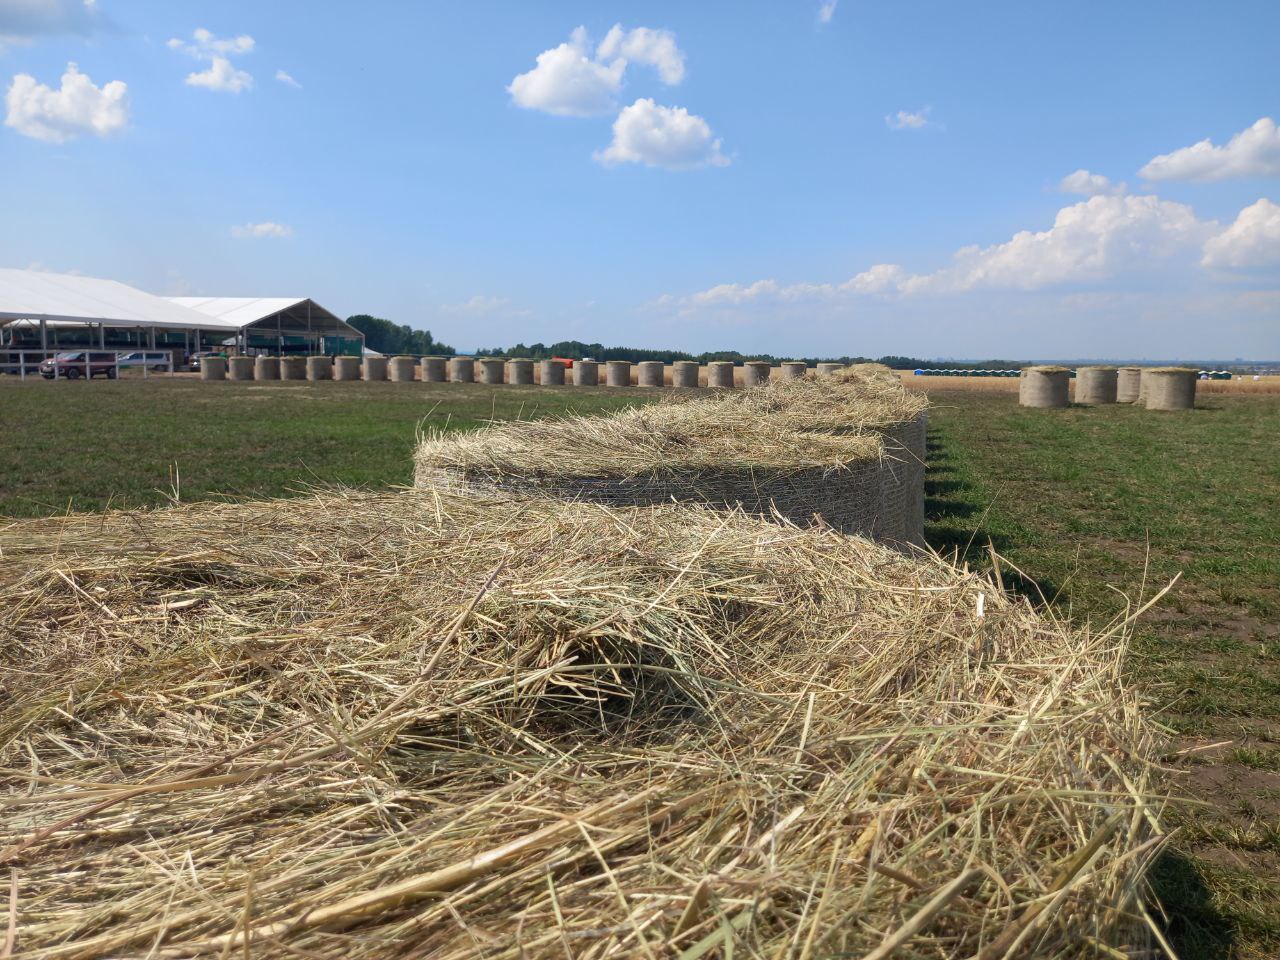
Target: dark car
{"type": "Point", "coordinates": [73, 366]}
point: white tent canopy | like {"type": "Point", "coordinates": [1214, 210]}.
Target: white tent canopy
{"type": "Point", "coordinates": [33, 295]}
{"type": "Point", "coordinates": [270, 314]}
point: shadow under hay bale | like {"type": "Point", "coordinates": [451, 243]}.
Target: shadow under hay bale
{"type": "Point", "coordinates": [376, 725]}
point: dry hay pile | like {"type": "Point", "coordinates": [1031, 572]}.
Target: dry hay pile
{"type": "Point", "coordinates": [424, 725]}
{"type": "Point", "coordinates": [684, 452]}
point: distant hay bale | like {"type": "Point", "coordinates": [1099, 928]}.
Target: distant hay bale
{"type": "Point", "coordinates": [828, 369]}
{"type": "Point", "coordinates": [650, 373]}
{"type": "Point", "coordinates": [400, 369]}
{"type": "Point", "coordinates": [792, 369]}
{"type": "Point", "coordinates": [240, 368]}
{"type": "Point", "coordinates": [462, 370]}
{"type": "Point", "coordinates": [1044, 386]}
{"type": "Point", "coordinates": [585, 373]}
{"type": "Point", "coordinates": [520, 371]}
{"type": "Point", "coordinates": [434, 369]}
{"type": "Point", "coordinates": [684, 374]}
{"type": "Point", "coordinates": [375, 368]}
{"type": "Point", "coordinates": [720, 374]}
{"type": "Point", "coordinates": [665, 453]}
{"type": "Point", "coordinates": [347, 368]}
{"type": "Point", "coordinates": [618, 373]}
{"type": "Point", "coordinates": [755, 373]}
{"type": "Point", "coordinates": [551, 373]}
{"type": "Point", "coordinates": [492, 369]}
{"type": "Point", "coordinates": [381, 726]}
{"type": "Point", "coordinates": [293, 368]}
{"type": "Point", "coordinates": [1096, 386]}
{"type": "Point", "coordinates": [1128, 384]}
{"type": "Point", "coordinates": [1169, 388]}
{"type": "Point", "coordinates": [266, 368]}
{"type": "Point", "coordinates": [319, 368]}
{"type": "Point", "coordinates": [213, 368]}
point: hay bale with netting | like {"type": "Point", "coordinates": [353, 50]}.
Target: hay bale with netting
{"type": "Point", "coordinates": [1169, 388]}
{"type": "Point", "coordinates": [400, 369]}
{"type": "Point", "coordinates": [827, 369]}
{"type": "Point", "coordinates": [293, 368]}
{"type": "Point", "coordinates": [213, 368]}
{"type": "Point", "coordinates": [240, 368]}
{"type": "Point", "coordinates": [687, 453]}
{"type": "Point", "coordinates": [433, 369]}
{"type": "Point", "coordinates": [375, 368]}
{"type": "Point", "coordinates": [520, 371]}
{"type": "Point", "coordinates": [684, 374]}
{"type": "Point", "coordinates": [650, 373]}
{"type": "Point", "coordinates": [585, 373]}
{"type": "Point", "coordinates": [377, 726]}
{"type": "Point", "coordinates": [551, 373]}
{"type": "Point", "coordinates": [617, 373]}
{"type": "Point", "coordinates": [1128, 384]}
{"type": "Point", "coordinates": [792, 369]}
{"type": "Point", "coordinates": [1096, 386]}
{"type": "Point", "coordinates": [1044, 386]}
{"type": "Point", "coordinates": [855, 400]}
{"type": "Point", "coordinates": [720, 374]}
{"type": "Point", "coordinates": [319, 368]}
{"type": "Point", "coordinates": [755, 373]}
{"type": "Point", "coordinates": [462, 370]}
{"type": "Point", "coordinates": [266, 368]}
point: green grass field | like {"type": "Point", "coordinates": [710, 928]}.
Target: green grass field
{"type": "Point", "coordinates": [1089, 506]}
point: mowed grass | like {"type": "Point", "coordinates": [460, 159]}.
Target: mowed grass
{"type": "Point", "coordinates": [1099, 508]}
{"type": "Point", "coordinates": [1096, 508]}
{"type": "Point", "coordinates": [87, 446]}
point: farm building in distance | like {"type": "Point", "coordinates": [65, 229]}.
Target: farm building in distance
{"type": "Point", "coordinates": [51, 311]}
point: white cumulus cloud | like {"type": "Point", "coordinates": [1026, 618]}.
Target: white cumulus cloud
{"type": "Point", "coordinates": [1088, 184]}
{"type": "Point", "coordinates": [908, 120]}
{"type": "Point", "coordinates": [76, 107]}
{"type": "Point", "coordinates": [659, 136]}
{"type": "Point", "coordinates": [1251, 153]}
{"type": "Point", "coordinates": [288, 80]}
{"type": "Point", "coordinates": [574, 80]}
{"type": "Point", "coordinates": [655, 48]}
{"type": "Point", "coordinates": [827, 10]}
{"type": "Point", "coordinates": [267, 229]}
{"type": "Point", "coordinates": [220, 75]}
{"type": "Point", "coordinates": [1252, 241]}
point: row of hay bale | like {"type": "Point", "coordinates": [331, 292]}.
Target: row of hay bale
{"type": "Point", "coordinates": [1158, 388]}
{"type": "Point", "coordinates": [430, 724]}
{"type": "Point", "coordinates": [584, 373]}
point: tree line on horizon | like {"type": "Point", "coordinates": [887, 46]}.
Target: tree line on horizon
{"type": "Point", "coordinates": [385, 336]}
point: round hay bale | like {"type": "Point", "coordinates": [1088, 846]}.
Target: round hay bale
{"type": "Point", "coordinates": [293, 368]}
{"type": "Point", "coordinates": [585, 373]}
{"type": "Point", "coordinates": [1169, 388]}
{"type": "Point", "coordinates": [462, 370]}
{"type": "Point", "coordinates": [213, 368]}
{"type": "Point", "coordinates": [650, 373]}
{"type": "Point", "coordinates": [755, 373]}
{"type": "Point", "coordinates": [828, 369]}
{"type": "Point", "coordinates": [240, 368]}
{"type": "Point", "coordinates": [1128, 384]}
{"type": "Point", "coordinates": [618, 373]}
{"type": "Point", "coordinates": [1096, 385]}
{"type": "Point", "coordinates": [684, 373]}
{"type": "Point", "coordinates": [434, 370]}
{"type": "Point", "coordinates": [492, 370]}
{"type": "Point", "coordinates": [400, 369]}
{"type": "Point", "coordinates": [375, 368]}
{"type": "Point", "coordinates": [1044, 386]}
{"type": "Point", "coordinates": [319, 368]}
{"type": "Point", "coordinates": [346, 368]}
{"type": "Point", "coordinates": [266, 368]}
{"type": "Point", "coordinates": [551, 373]}
{"type": "Point", "coordinates": [520, 371]}
{"type": "Point", "coordinates": [792, 370]}
{"type": "Point", "coordinates": [720, 374]}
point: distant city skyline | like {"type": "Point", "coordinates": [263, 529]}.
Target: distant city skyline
{"type": "Point", "coordinates": [822, 177]}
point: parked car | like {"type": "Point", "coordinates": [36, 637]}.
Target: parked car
{"type": "Point", "coordinates": [193, 361]}
{"type": "Point", "coordinates": [77, 364]}
{"type": "Point", "coordinates": [158, 360]}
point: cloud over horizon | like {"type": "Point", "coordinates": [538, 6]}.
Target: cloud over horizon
{"type": "Point", "coordinates": [1253, 153]}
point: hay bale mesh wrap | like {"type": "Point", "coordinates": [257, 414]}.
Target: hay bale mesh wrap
{"type": "Point", "coordinates": [240, 368]}
{"type": "Point", "coordinates": [650, 373]}
{"type": "Point", "coordinates": [586, 373]}
{"type": "Point", "coordinates": [462, 370]}
{"type": "Point", "coordinates": [1044, 386]}
{"type": "Point", "coordinates": [520, 371]}
{"type": "Point", "coordinates": [380, 726]}
{"type": "Point", "coordinates": [319, 368]}
{"type": "Point", "coordinates": [551, 373]}
{"type": "Point", "coordinates": [1128, 384]}
{"type": "Point", "coordinates": [293, 368]}
{"type": "Point", "coordinates": [213, 368]}
{"type": "Point", "coordinates": [434, 369]}
{"type": "Point", "coordinates": [375, 368]}
{"type": "Point", "coordinates": [618, 373]}
{"type": "Point", "coordinates": [266, 368]}
{"type": "Point", "coordinates": [1096, 385]}
{"type": "Point", "coordinates": [684, 373]}
{"type": "Point", "coordinates": [1169, 388]}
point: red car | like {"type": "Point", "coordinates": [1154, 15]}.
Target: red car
{"type": "Point", "coordinates": [73, 366]}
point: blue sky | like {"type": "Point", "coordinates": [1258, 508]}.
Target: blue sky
{"type": "Point", "coordinates": [797, 177]}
